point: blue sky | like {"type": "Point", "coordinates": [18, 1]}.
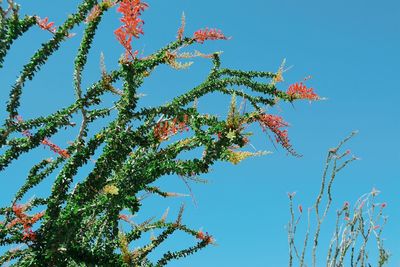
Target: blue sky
{"type": "Point", "coordinates": [350, 48]}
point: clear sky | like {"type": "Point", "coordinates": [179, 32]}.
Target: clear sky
{"type": "Point", "coordinates": [351, 50]}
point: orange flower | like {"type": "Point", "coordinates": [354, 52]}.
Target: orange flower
{"type": "Point", "coordinates": [55, 148]}
{"type": "Point", "coordinates": [205, 237]}
{"type": "Point", "coordinates": [29, 235]}
{"type": "Point", "coordinates": [208, 34]}
{"type": "Point", "coordinates": [132, 24]}
{"type": "Point", "coordinates": [163, 130]}
{"type": "Point", "coordinates": [46, 142]}
{"type": "Point", "coordinates": [274, 124]}
{"type": "Point", "coordinates": [300, 91]}
{"type": "Point", "coordinates": [45, 25]}
{"type": "Point", "coordinates": [200, 235]}
{"type": "Point", "coordinates": [25, 220]}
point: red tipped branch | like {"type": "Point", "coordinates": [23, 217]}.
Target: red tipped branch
{"type": "Point", "coordinates": [300, 91]}
{"type": "Point", "coordinates": [208, 34]}
{"type": "Point", "coordinates": [132, 25]}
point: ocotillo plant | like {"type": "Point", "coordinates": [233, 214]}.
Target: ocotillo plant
{"type": "Point", "coordinates": [79, 225]}
{"type": "Point", "coordinates": [355, 228]}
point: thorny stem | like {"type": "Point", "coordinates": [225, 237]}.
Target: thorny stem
{"type": "Point", "coordinates": [305, 243]}
{"type": "Point", "coordinates": [332, 154]}
{"type": "Point", "coordinates": [358, 227]}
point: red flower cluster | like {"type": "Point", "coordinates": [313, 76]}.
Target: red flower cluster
{"type": "Point", "coordinates": [44, 24]}
{"type": "Point", "coordinates": [55, 148]}
{"type": "Point", "coordinates": [275, 123]}
{"type": "Point", "coordinates": [208, 34]}
{"type": "Point", "coordinates": [46, 142]}
{"type": "Point", "coordinates": [300, 91]}
{"type": "Point", "coordinates": [132, 24]}
{"type": "Point", "coordinates": [205, 236]}
{"type": "Point", "coordinates": [49, 26]}
{"type": "Point", "coordinates": [25, 220]}
{"type": "Point", "coordinates": [164, 129]}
